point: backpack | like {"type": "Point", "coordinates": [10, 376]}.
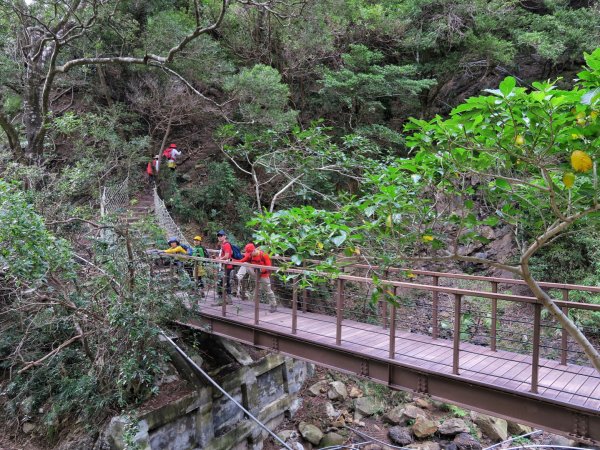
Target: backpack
{"type": "Point", "coordinates": [188, 249]}
{"type": "Point", "coordinates": [167, 153]}
{"type": "Point", "coordinates": [235, 252]}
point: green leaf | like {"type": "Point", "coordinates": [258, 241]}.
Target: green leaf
{"type": "Point", "coordinates": [507, 85]}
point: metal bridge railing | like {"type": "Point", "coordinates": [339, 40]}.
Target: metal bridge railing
{"type": "Point", "coordinates": [165, 221]}
{"type": "Point", "coordinates": [114, 199]}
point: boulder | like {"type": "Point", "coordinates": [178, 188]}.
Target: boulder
{"type": "Point", "coordinates": [394, 416]}
{"type": "Point", "coordinates": [517, 429]}
{"type": "Point", "coordinates": [424, 403]}
{"type": "Point", "coordinates": [555, 439]}
{"type": "Point", "coordinates": [400, 435]}
{"type": "Point", "coordinates": [28, 427]}
{"type": "Point", "coordinates": [331, 412]}
{"type": "Point", "coordinates": [424, 427]}
{"type": "Point", "coordinates": [337, 391]}
{"type": "Point", "coordinates": [464, 441]}
{"type": "Point", "coordinates": [332, 439]}
{"type": "Point", "coordinates": [452, 427]}
{"type": "Point", "coordinates": [310, 432]}
{"type": "Point", "coordinates": [428, 445]}
{"type": "Point", "coordinates": [412, 412]}
{"type": "Point", "coordinates": [494, 428]}
{"type": "Point", "coordinates": [284, 435]}
{"type": "Point", "coordinates": [318, 388]}
{"type": "Point", "coordinates": [367, 406]}
{"type": "Point", "coordinates": [355, 392]}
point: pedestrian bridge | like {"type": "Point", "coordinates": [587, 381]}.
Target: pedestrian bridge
{"type": "Point", "coordinates": [463, 339]}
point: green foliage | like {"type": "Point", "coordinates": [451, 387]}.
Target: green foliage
{"type": "Point", "coordinates": [363, 84]}
{"type": "Point", "coordinates": [28, 251]}
{"type": "Point", "coordinates": [262, 97]}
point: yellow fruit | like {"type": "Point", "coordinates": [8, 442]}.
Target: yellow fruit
{"type": "Point", "coordinates": [568, 179]}
{"type": "Point", "coordinates": [519, 140]}
{"type": "Point", "coordinates": [410, 275]}
{"type": "Point", "coordinates": [580, 115]}
{"type": "Point", "coordinates": [356, 251]}
{"type": "Point", "coordinates": [581, 161]}
{"type": "Point", "coordinates": [581, 122]}
{"type": "Point", "coordinates": [320, 245]}
{"type": "Point", "coordinates": [575, 136]}
{"type": "Point", "coordinates": [388, 221]}
{"type": "Point", "coordinates": [594, 115]}
{"type": "Point", "coordinates": [427, 238]}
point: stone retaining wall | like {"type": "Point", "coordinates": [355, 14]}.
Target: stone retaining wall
{"type": "Point", "coordinates": [206, 419]}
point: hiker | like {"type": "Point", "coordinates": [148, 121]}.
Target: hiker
{"type": "Point", "coordinates": [171, 153]}
{"type": "Point", "coordinates": [225, 254]}
{"type": "Point", "coordinates": [199, 270]}
{"type": "Point", "coordinates": [260, 258]}
{"type": "Point", "coordinates": [152, 169]}
{"type": "Point", "coordinates": [243, 271]}
{"type": "Point", "coordinates": [175, 248]}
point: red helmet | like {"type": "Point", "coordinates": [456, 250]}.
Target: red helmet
{"type": "Point", "coordinates": [173, 145]}
{"type": "Point", "coordinates": [249, 248]}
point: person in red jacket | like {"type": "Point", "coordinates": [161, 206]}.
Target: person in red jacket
{"type": "Point", "coordinates": [152, 169]}
{"type": "Point", "coordinates": [225, 254]}
{"type": "Point", "coordinates": [260, 258]}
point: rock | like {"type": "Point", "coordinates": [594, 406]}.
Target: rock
{"type": "Point", "coordinates": [429, 445]}
{"type": "Point", "coordinates": [310, 432]}
{"type": "Point", "coordinates": [284, 435]}
{"type": "Point", "coordinates": [449, 446]}
{"type": "Point", "coordinates": [367, 406]}
{"type": "Point", "coordinates": [424, 427]}
{"type": "Point", "coordinates": [517, 429]}
{"type": "Point", "coordinates": [331, 412]}
{"type": "Point", "coordinates": [451, 427]}
{"type": "Point", "coordinates": [28, 427]}
{"type": "Point", "coordinates": [332, 439]}
{"type": "Point", "coordinates": [412, 412]}
{"type": "Point", "coordinates": [423, 403]}
{"type": "Point", "coordinates": [494, 428]}
{"type": "Point", "coordinates": [400, 435]}
{"type": "Point", "coordinates": [555, 439]}
{"type": "Point", "coordinates": [394, 416]}
{"type": "Point", "coordinates": [355, 392]}
{"type": "Point", "coordinates": [318, 388]}
{"type": "Point", "coordinates": [464, 441]}
{"type": "Point", "coordinates": [338, 391]}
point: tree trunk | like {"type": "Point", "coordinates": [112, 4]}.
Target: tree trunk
{"type": "Point", "coordinates": [562, 318]}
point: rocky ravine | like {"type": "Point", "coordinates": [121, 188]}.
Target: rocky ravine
{"type": "Point", "coordinates": [341, 410]}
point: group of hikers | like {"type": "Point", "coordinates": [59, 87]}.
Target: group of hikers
{"type": "Point", "coordinates": [227, 253]}
{"type": "Point", "coordinates": [171, 154]}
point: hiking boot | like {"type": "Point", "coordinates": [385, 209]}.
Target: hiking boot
{"type": "Point", "coordinates": [273, 308]}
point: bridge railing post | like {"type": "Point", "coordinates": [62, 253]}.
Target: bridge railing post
{"type": "Point", "coordinates": [435, 306]}
{"type": "Point", "coordinates": [393, 328]}
{"type": "Point", "coordinates": [339, 310]}
{"type": "Point", "coordinates": [295, 307]}
{"type": "Point", "coordinates": [535, 357]}
{"type": "Point", "coordinates": [384, 304]}
{"type": "Point", "coordinates": [563, 337]}
{"type": "Point", "coordinates": [493, 327]}
{"type": "Point", "coordinates": [456, 350]}
{"type": "Point", "coordinates": [256, 296]}
{"type": "Point", "coordinates": [224, 282]}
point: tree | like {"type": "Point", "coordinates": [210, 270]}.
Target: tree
{"type": "Point", "coordinates": [362, 84]}
{"type": "Point", "coordinates": [44, 41]}
{"type": "Point", "coordinates": [526, 159]}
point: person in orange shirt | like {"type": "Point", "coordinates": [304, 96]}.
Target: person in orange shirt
{"type": "Point", "coordinates": [243, 271]}
{"type": "Point", "coordinates": [260, 258]}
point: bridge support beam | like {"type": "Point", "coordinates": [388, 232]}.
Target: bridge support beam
{"type": "Point", "coordinates": [522, 407]}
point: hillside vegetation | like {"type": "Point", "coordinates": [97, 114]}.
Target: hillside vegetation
{"type": "Point", "coordinates": [395, 131]}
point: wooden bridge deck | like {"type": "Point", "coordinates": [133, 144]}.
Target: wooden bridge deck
{"type": "Point", "coordinates": [574, 386]}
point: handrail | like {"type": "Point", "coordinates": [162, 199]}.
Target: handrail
{"type": "Point", "coordinates": [393, 283]}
